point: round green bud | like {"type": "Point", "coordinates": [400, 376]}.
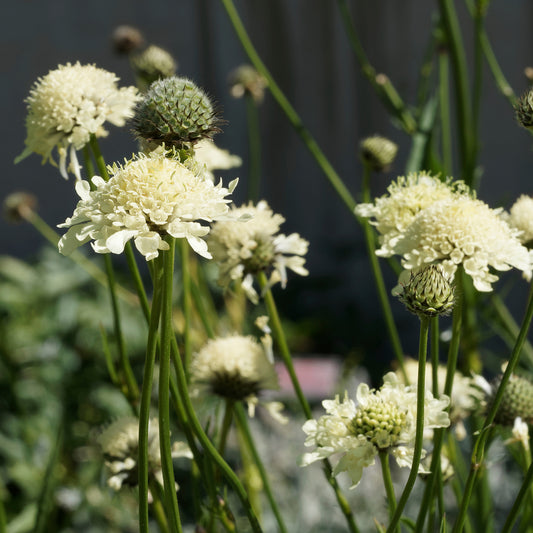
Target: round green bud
{"type": "Point", "coordinates": [153, 64]}
{"type": "Point", "coordinates": [428, 292]}
{"type": "Point", "coordinates": [175, 112]}
{"type": "Point", "coordinates": [517, 401]}
{"type": "Point", "coordinates": [524, 110]}
{"type": "Point", "coordinates": [378, 152]}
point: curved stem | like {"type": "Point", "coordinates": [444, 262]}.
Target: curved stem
{"type": "Point", "coordinates": [420, 400]}
{"type": "Point", "coordinates": [524, 489]}
{"type": "Point", "coordinates": [387, 481]}
{"type": "Point", "coordinates": [226, 426]}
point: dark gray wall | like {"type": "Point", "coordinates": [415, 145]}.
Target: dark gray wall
{"type": "Point", "coordinates": [303, 43]}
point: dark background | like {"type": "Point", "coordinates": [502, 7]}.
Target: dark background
{"type": "Point", "coordinates": [303, 43]}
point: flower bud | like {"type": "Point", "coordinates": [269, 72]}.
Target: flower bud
{"type": "Point", "coordinates": [175, 112]}
{"type": "Point", "coordinates": [18, 205]}
{"type": "Point", "coordinates": [428, 292]}
{"type": "Point", "coordinates": [378, 152]}
{"type": "Point", "coordinates": [524, 110]}
{"type": "Point", "coordinates": [153, 64]}
{"type": "Point", "coordinates": [517, 401]}
{"type": "Point", "coordinates": [246, 80]}
{"type": "Point", "coordinates": [126, 39]}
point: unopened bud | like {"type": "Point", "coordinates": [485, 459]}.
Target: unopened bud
{"type": "Point", "coordinates": [378, 152]}
{"type": "Point", "coordinates": [246, 80]}
{"type": "Point", "coordinates": [517, 401]}
{"type": "Point", "coordinates": [153, 64]}
{"type": "Point", "coordinates": [524, 110]}
{"type": "Point", "coordinates": [126, 39]}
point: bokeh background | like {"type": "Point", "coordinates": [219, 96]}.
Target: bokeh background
{"type": "Point", "coordinates": [305, 47]}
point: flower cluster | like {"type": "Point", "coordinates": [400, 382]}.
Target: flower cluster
{"type": "Point", "coordinates": [147, 198]}
{"type": "Point", "coordinates": [243, 248]}
{"type": "Point", "coordinates": [70, 104]}
{"type": "Point", "coordinates": [425, 221]}
{"type": "Point", "coordinates": [383, 420]}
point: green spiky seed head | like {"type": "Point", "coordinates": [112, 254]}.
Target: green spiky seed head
{"type": "Point", "coordinates": [524, 110]}
{"type": "Point", "coordinates": [428, 292]}
{"type": "Point", "coordinates": [153, 64]}
{"type": "Point", "coordinates": [175, 112]}
{"type": "Point", "coordinates": [378, 152]}
{"type": "Point", "coordinates": [517, 401]}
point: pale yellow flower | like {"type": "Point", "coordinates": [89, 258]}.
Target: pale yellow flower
{"type": "Point", "coordinates": [383, 419]}
{"type": "Point", "coordinates": [70, 104]}
{"type": "Point", "coordinates": [521, 218]}
{"type": "Point", "coordinates": [147, 198]}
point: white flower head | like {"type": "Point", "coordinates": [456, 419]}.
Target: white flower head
{"type": "Point", "coordinates": [520, 433]}
{"type": "Point", "coordinates": [235, 367]}
{"type": "Point", "coordinates": [383, 419]}
{"type": "Point", "coordinates": [463, 231]}
{"type": "Point", "coordinates": [145, 199]}
{"type": "Point", "coordinates": [70, 104]}
{"type": "Point", "coordinates": [521, 218]}
{"type": "Point", "coordinates": [211, 157]}
{"type": "Point", "coordinates": [120, 446]}
{"type": "Point", "coordinates": [393, 212]}
{"type": "Point", "coordinates": [250, 242]}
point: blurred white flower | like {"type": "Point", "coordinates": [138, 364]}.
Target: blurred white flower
{"type": "Point", "coordinates": [145, 199]}
{"type": "Point", "coordinates": [70, 104]}
{"type": "Point", "coordinates": [521, 218]}
{"type": "Point", "coordinates": [250, 243]}
{"type": "Point", "coordinates": [383, 419]}
{"type": "Point", "coordinates": [211, 157]}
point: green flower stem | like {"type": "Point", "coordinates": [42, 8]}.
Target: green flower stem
{"type": "Point", "coordinates": [459, 66]}
{"type": "Point", "coordinates": [279, 335]}
{"type": "Point", "coordinates": [3, 520]}
{"type": "Point", "coordinates": [254, 148]}
{"type": "Point", "coordinates": [419, 436]}
{"type": "Point", "coordinates": [199, 304]}
{"type": "Point", "coordinates": [445, 115]}
{"type": "Point", "coordinates": [481, 440]}
{"type": "Point", "coordinates": [378, 277]}
{"type": "Point", "coordinates": [226, 426]}
{"type": "Point", "coordinates": [157, 507]}
{"type": "Point", "coordinates": [287, 108]}
{"type": "Point", "coordinates": [387, 481]}
{"type": "Point", "coordinates": [209, 448]}
{"type": "Point", "coordinates": [434, 355]}
{"type": "Point", "coordinates": [171, 501]}
{"type": "Point", "coordinates": [137, 280]}
{"type": "Point", "coordinates": [99, 158]}
{"type": "Point", "coordinates": [244, 429]}
{"type": "Point", "coordinates": [144, 410]}
{"type": "Point", "coordinates": [186, 302]}
{"type": "Point", "coordinates": [520, 498]}
{"type": "Point", "coordinates": [380, 83]}
{"type": "Point", "coordinates": [113, 375]}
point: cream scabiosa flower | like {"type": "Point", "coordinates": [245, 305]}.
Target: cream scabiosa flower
{"type": "Point", "coordinates": [463, 231]}
{"type": "Point", "coordinates": [243, 248]}
{"type": "Point", "coordinates": [211, 157]}
{"type": "Point", "coordinates": [70, 104]}
{"type": "Point", "coordinates": [382, 420]}
{"type": "Point", "coordinates": [147, 198]}
{"type": "Point", "coordinates": [237, 368]}
{"type": "Point", "coordinates": [392, 213]}
{"type": "Point", "coordinates": [521, 218]}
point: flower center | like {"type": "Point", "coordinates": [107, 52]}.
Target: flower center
{"type": "Point", "coordinates": [381, 423]}
{"type": "Point", "coordinates": [262, 256]}
{"type": "Point", "coordinates": [232, 385]}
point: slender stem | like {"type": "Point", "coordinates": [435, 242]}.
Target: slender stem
{"type": "Point", "coordinates": [3, 520]}
{"type": "Point", "coordinates": [524, 489]}
{"type": "Point", "coordinates": [137, 280]}
{"type": "Point", "coordinates": [226, 426]}
{"type": "Point", "coordinates": [287, 108]}
{"type": "Point", "coordinates": [279, 336]}
{"type": "Point", "coordinates": [157, 507]}
{"type": "Point", "coordinates": [144, 410]}
{"type": "Point", "coordinates": [164, 386]}
{"type": "Point", "coordinates": [187, 309]}
{"type": "Point", "coordinates": [108, 357]}
{"type": "Point", "coordinates": [99, 158]}
{"type": "Point", "coordinates": [479, 445]}
{"type": "Point", "coordinates": [254, 148]}
{"type": "Point", "coordinates": [445, 115]}
{"type": "Point", "coordinates": [387, 481]}
{"type": "Point", "coordinates": [202, 311]}
{"type": "Point", "coordinates": [419, 436]}
{"type": "Point", "coordinates": [242, 423]}
{"type": "Point", "coordinates": [378, 277]}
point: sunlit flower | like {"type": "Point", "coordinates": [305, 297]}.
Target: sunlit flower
{"type": "Point", "coordinates": [147, 198]}
{"type": "Point", "coordinates": [383, 419]}
{"type": "Point", "coordinates": [393, 212]}
{"type": "Point", "coordinates": [236, 367]}
{"type": "Point", "coordinates": [211, 157]}
{"type": "Point", "coordinates": [521, 218]}
{"type": "Point", "coordinates": [243, 248]}
{"type": "Point", "coordinates": [70, 104]}
{"type": "Point", "coordinates": [120, 446]}
{"type": "Point", "coordinates": [463, 231]}
{"type": "Point", "coordinates": [520, 433]}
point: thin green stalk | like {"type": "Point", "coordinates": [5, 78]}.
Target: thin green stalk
{"type": "Point", "coordinates": [186, 301]}
{"type": "Point", "coordinates": [383, 87]}
{"type": "Point", "coordinates": [387, 481]}
{"type": "Point", "coordinates": [171, 501]}
{"type": "Point", "coordinates": [108, 357]}
{"type": "Point", "coordinates": [157, 507]}
{"type": "Point", "coordinates": [287, 108]}
{"type": "Point", "coordinates": [279, 336]}
{"type": "Point", "coordinates": [378, 277]}
{"type": "Point", "coordinates": [445, 114]}
{"type": "Point", "coordinates": [137, 280]}
{"type": "Point", "coordinates": [479, 445]}
{"type": "Point", "coordinates": [242, 423]}
{"type": "Point", "coordinates": [3, 519]}
{"type": "Point", "coordinates": [520, 498]}
{"type": "Point", "coordinates": [199, 304]}
{"type": "Point", "coordinates": [99, 158]}
{"type": "Point", "coordinates": [226, 426]}
{"type": "Point", "coordinates": [254, 148]}
{"type": "Point", "coordinates": [420, 400]}
{"type": "Point", "coordinates": [144, 410]}
{"type": "Point", "coordinates": [464, 118]}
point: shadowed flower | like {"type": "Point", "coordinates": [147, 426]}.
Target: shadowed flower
{"type": "Point", "coordinates": [120, 446]}
{"type": "Point", "coordinates": [243, 248]}
{"type": "Point", "coordinates": [70, 104]}
{"type": "Point", "coordinates": [383, 420]}
{"type": "Point", "coordinates": [147, 198]}
{"type": "Point", "coordinates": [521, 218]}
